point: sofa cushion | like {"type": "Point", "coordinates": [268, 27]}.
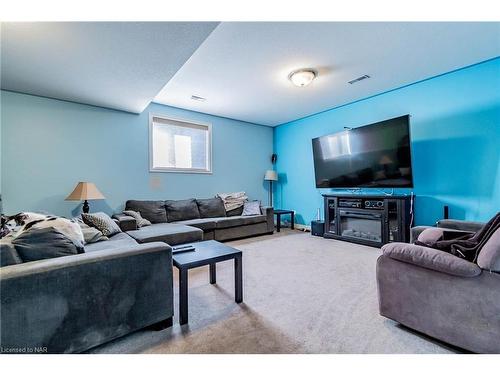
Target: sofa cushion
{"type": "Point", "coordinates": [235, 212]}
{"type": "Point", "coordinates": [489, 256]}
{"type": "Point", "coordinates": [172, 234]}
{"type": "Point", "coordinates": [236, 221]}
{"type": "Point", "coordinates": [213, 207]}
{"type": "Point", "coordinates": [8, 253]}
{"type": "Point", "coordinates": [186, 209]}
{"type": "Point", "coordinates": [225, 234]}
{"type": "Point", "coordinates": [154, 211]}
{"type": "Point", "coordinates": [43, 243]}
{"type": "Point", "coordinates": [118, 241]}
{"type": "Point", "coordinates": [432, 259]}
{"type": "Point", "coordinates": [206, 224]}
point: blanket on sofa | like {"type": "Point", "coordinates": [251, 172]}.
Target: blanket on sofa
{"type": "Point", "coordinates": [233, 200]}
{"type": "Point", "coordinates": [25, 221]}
{"type": "Point", "coordinates": [469, 245]}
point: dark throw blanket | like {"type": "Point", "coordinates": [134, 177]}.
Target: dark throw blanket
{"type": "Point", "coordinates": [469, 245]}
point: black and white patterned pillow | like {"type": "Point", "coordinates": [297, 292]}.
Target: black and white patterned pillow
{"type": "Point", "coordinates": [103, 222]}
{"type": "Point", "coordinates": [141, 222]}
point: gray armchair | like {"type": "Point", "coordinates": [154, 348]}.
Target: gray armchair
{"type": "Point", "coordinates": [441, 295]}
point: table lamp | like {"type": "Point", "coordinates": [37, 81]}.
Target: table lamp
{"type": "Point", "coordinates": [271, 176]}
{"type": "Point", "coordinates": [85, 191]}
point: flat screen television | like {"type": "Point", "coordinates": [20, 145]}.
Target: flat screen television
{"type": "Point", "coordinates": [372, 156]}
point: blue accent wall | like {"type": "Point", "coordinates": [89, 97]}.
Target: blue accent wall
{"type": "Point", "coordinates": [49, 145]}
{"type": "Point", "coordinates": [455, 132]}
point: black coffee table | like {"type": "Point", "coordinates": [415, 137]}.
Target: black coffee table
{"type": "Point", "coordinates": [206, 252]}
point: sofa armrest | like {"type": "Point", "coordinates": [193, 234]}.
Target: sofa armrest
{"type": "Point", "coordinates": [125, 222]}
{"type": "Point", "coordinates": [269, 212]}
{"type": "Point", "coordinates": [432, 259]}
{"type": "Point", "coordinates": [461, 225]}
{"type": "Point", "coordinates": [72, 303]}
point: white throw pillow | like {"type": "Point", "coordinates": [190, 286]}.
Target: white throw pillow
{"type": "Point", "coordinates": [251, 208]}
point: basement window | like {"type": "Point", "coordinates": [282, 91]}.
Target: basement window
{"type": "Point", "coordinates": [179, 146]}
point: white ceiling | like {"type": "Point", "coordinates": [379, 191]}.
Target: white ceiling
{"type": "Point", "coordinates": [119, 65]}
{"type": "Point", "coordinates": [242, 68]}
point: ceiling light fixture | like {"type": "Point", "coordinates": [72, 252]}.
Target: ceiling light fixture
{"type": "Point", "coordinates": [198, 98]}
{"type": "Point", "coordinates": [302, 77]}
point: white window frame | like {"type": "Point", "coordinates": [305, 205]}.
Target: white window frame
{"type": "Point", "coordinates": [173, 169]}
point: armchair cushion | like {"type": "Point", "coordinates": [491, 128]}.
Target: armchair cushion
{"type": "Point", "coordinates": [432, 259]}
{"type": "Point", "coordinates": [468, 226]}
{"type": "Point", "coordinates": [430, 235]}
{"type": "Point", "coordinates": [489, 256]}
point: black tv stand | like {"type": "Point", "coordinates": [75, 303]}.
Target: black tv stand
{"type": "Point", "coordinates": [372, 220]}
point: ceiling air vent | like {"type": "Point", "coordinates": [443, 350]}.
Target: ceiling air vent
{"type": "Point", "coordinates": [198, 98]}
{"type": "Point", "coordinates": [366, 76]}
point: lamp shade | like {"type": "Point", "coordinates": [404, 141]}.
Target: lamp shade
{"type": "Point", "coordinates": [85, 191]}
{"type": "Point", "coordinates": [271, 176]}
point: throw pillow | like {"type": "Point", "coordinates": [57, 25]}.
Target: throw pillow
{"type": "Point", "coordinates": [44, 243]}
{"type": "Point", "coordinates": [213, 207]}
{"type": "Point", "coordinates": [430, 236]}
{"type": "Point", "coordinates": [103, 222]}
{"type": "Point", "coordinates": [90, 234]}
{"type": "Point", "coordinates": [251, 208]}
{"type": "Point", "coordinates": [141, 222]}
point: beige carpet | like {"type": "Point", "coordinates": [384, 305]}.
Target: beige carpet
{"type": "Point", "coordinates": [302, 294]}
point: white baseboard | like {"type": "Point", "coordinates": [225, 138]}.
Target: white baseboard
{"type": "Point", "coordinates": [305, 228]}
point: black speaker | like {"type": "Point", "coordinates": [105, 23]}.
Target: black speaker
{"type": "Point", "coordinates": [274, 158]}
{"type": "Point", "coordinates": [317, 228]}
{"type": "Point", "coordinates": [446, 212]}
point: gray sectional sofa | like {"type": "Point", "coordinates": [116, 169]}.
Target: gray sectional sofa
{"type": "Point", "coordinates": [190, 220]}
{"type": "Point", "coordinates": [441, 295]}
{"type": "Point", "coordinates": [73, 303]}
